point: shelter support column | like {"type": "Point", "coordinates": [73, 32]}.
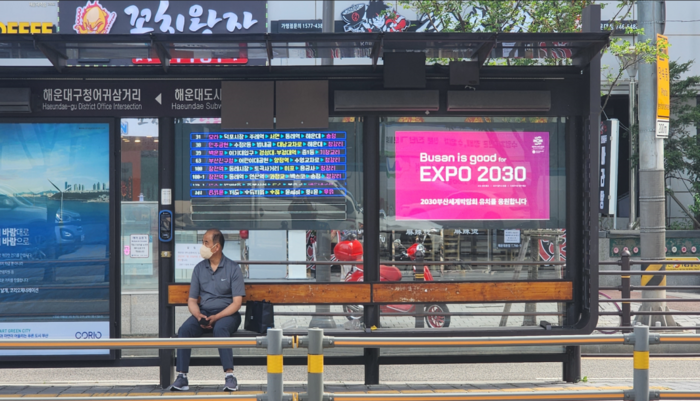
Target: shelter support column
{"type": "Point", "coordinates": [166, 181]}
{"type": "Point", "coordinates": [582, 213]}
{"type": "Point", "coordinates": [370, 153]}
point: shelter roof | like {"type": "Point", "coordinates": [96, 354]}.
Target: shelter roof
{"type": "Point", "coordinates": [170, 52]}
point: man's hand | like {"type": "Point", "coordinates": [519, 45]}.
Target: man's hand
{"type": "Point", "coordinates": [193, 306]}
{"type": "Point", "coordinates": [212, 319]}
{"type": "Point", "coordinates": [199, 318]}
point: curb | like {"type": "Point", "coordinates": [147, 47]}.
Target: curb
{"type": "Point", "coordinates": [653, 349]}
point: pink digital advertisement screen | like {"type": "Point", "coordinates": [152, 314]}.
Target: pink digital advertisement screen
{"type": "Point", "coordinates": [472, 175]}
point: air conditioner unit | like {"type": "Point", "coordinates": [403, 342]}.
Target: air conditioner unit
{"type": "Point", "coordinates": [15, 100]}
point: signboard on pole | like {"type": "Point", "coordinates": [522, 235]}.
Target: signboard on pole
{"type": "Point", "coordinates": [663, 87]}
{"type": "Point", "coordinates": [609, 143]}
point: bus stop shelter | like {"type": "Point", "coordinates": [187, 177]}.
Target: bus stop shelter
{"type": "Point", "coordinates": [383, 97]}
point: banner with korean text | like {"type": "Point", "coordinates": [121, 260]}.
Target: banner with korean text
{"type": "Point", "coordinates": [663, 87]}
{"type": "Point", "coordinates": [471, 175]}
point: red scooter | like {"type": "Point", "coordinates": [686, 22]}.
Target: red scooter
{"type": "Point", "coordinates": [351, 250]}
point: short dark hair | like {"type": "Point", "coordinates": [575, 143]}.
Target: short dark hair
{"type": "Point", "coordinates": [217, 237]}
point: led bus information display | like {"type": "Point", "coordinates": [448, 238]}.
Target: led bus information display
{"type": "Point", "coordinates": [268, 164]}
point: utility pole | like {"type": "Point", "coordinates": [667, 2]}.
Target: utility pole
{"type": "Point", "coordinates": [652, 197]}
{"type": "Point", "coordinates": [323, 237]}
{"type": "Point", "coordinates": [632, 72]}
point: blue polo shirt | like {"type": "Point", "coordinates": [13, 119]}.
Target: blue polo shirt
{"type": "Point", "coordinates": [217, 288]}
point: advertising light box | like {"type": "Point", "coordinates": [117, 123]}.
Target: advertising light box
{"type": "Point", "coordinates": [54, 232]}
{"type": "Point", "coordinates": [472, 175]}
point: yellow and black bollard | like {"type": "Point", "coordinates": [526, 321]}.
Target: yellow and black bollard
{"type": "Point", "coordinates": [641, 363]}
{"type": "Point", "coordinates": [315, 346]}
{"type": "Point", "coordinates": [275, 365]}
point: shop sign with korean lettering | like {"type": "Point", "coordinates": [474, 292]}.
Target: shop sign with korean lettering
{"type": "Point", "coordinates": [162, 17]}
{"type": "Point", "coordinates": [124, 98]}
{"type": "Point", "coordinates": [23, 28]}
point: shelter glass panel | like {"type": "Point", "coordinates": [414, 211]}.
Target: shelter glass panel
{"type": "Point", "coordinates": [456, 192]}
{"type": "Point", "coordinates": [277, 196]}
{"type": "Point", "coordinates": [55, 233]}
{"type": "Point", "coordinates": [139, 224]}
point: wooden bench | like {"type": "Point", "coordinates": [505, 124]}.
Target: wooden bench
{"type": "Point", "coordinates": [391, 293]}
{"type": "Point", "coordinates": [395, 292]}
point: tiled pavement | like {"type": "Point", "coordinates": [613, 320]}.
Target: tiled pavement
{"type": "Point", "coordinates": [31, 391]}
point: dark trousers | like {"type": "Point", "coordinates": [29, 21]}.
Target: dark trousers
{"type": "Point", "coordinates": [223, 327]}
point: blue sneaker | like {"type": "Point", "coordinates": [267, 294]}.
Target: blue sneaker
{"type": "Point", "coordinates": [231, 383]}
{"type": "Point", "coordinates": [180, 384]}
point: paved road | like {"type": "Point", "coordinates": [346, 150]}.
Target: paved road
{"type": "Point", "coordinates": [608, 370]}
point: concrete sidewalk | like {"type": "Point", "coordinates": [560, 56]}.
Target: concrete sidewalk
{"type": "Point", "coordinates": [210, 388]}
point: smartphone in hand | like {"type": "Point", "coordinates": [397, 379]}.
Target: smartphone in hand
{"type": "Point", "coordinates": [203, 322]}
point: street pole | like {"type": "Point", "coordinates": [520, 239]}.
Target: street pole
{"type": "Point", "coordinates": [323, 237]}
{"type": "Point", "coordinates": [651, 172]}
{"type": "Point", "coordinates": [328, 24]}
{"type": "Point", "coordinates": [632, 147]}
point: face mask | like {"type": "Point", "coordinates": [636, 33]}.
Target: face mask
{"type": "Point", "coordinates": [205, 252]}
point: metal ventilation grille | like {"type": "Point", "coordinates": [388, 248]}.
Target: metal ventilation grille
{"type": "Point", "coordinates": [499, 100]}
{"type": "Point", "coordinates": [216, 210]}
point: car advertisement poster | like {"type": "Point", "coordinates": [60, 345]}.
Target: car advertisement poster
{"type": "Point", "coordinates": [54, 226]}
{"type": "Point", "coordinates": [54, 331]}
{"type": "Point", "coordinates": [472, 175]}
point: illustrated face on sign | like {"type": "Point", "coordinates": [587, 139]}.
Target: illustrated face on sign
{"type": "Point", "coordinates": [373, 17]}
{"type": "Point", "coordinates": [93, 19]}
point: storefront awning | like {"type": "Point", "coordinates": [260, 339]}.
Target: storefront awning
{"type": "Point", "coordinates": [170, 51]}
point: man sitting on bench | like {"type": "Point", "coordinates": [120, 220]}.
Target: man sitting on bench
{"type": "Point", "coordinates": [219, 282]}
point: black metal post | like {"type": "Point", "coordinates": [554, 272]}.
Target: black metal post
{"type": "Point", "coordinates": [113, 271]}
{"type": "Point", "coordinates": [626, 292]}
{"type": "Point", "coordinates": [420, 319]}
{"type": "Point", "coordinates": [587, 214]}
{"type": "Point", "coordinates": [572, 364]}
{"type": "Point", "coordinates": [574, 234]}
{"type": "Point", "coordinates": [166, 181]}
{"type": "Point", "coordinates": [370, 153]}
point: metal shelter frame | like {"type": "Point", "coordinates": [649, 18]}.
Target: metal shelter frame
{"type": "Point", "coordinates": [575, 85]}
{"type": "Point", "coordinates": [58, 48]}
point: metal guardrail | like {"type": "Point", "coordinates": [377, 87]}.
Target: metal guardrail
{"type": "Point", "coordinates": [237, 397]}
{"type": "Point", "coordinates": [640, 339]}
{"type": "Point", "coordinates": [626, 288]}
{"type": "Point", "coordinates": [316, 342]}
{"type": "Point", "coordinates": [405, 263]}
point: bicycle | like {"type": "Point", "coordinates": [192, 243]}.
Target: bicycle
{"type": "Point", "coordinates": [617, 306]}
